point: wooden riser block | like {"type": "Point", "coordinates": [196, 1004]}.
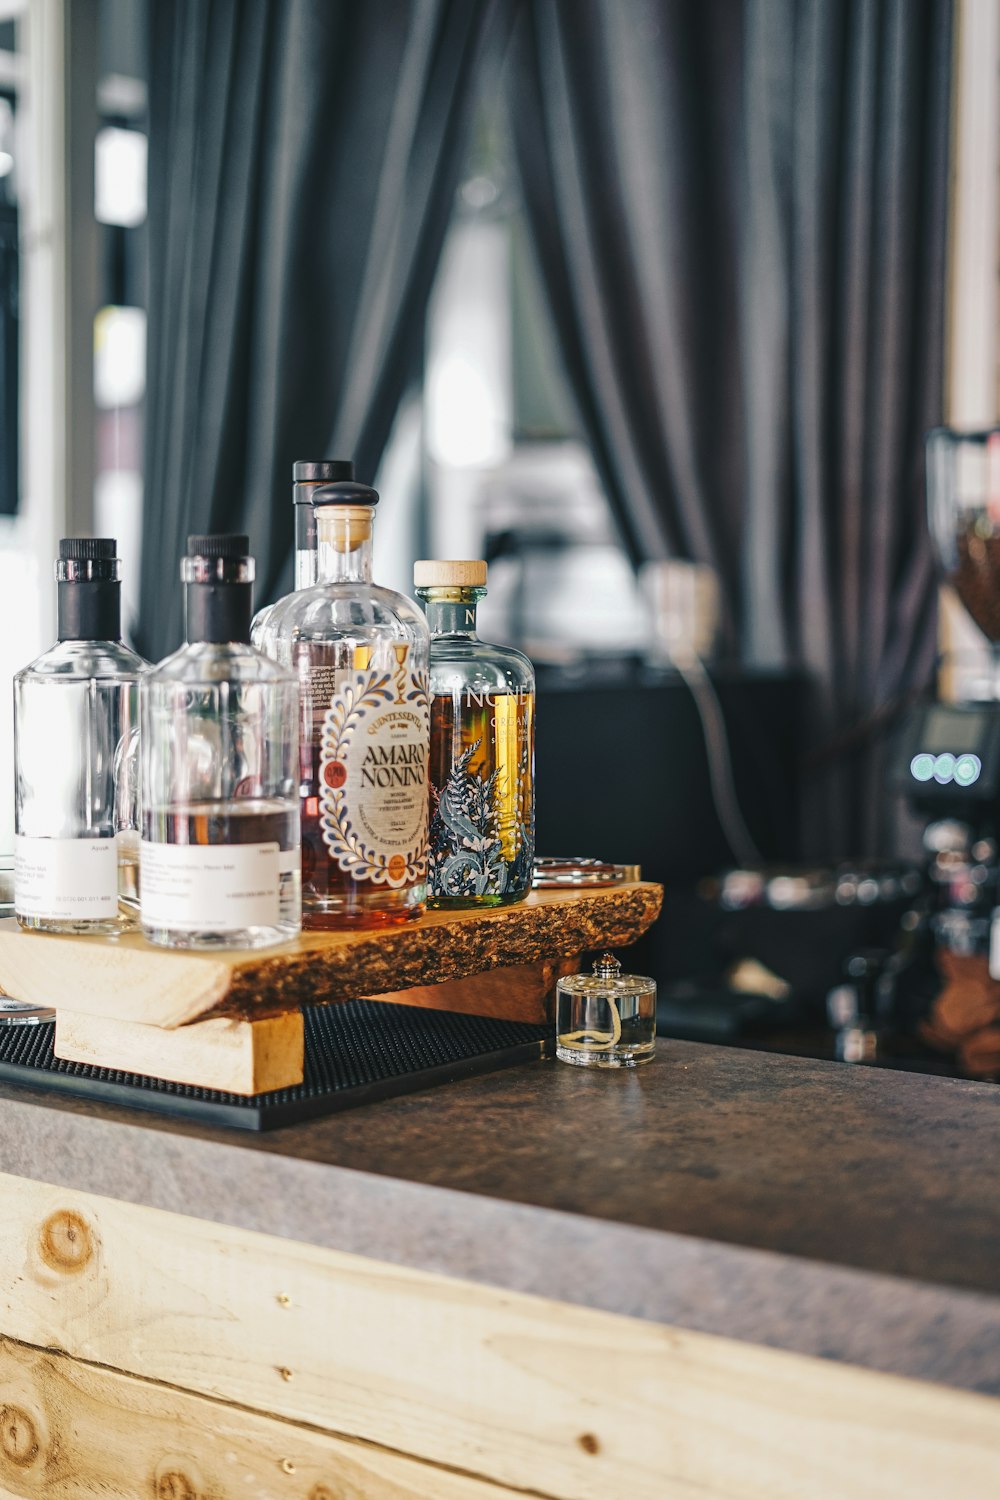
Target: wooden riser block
{"type": "Point", "coordinates": [239, 1057]}
{"type": "Point", "coordinates": [128, 979]}
{"type": "Point", "coordinates": [252, 1057]}
{"type": "Point", "coordinates": [525, 992]}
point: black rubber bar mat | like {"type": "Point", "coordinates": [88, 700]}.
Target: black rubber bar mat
{"type": "Point", "coordinates": [355, 1053]}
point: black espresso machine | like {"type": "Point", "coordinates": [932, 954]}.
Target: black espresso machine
{"type": "Point", "coordinates": [946, 764]}
{"type": "Point", "coordinates": [911, 942]}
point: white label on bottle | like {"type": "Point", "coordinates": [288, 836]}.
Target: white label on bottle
{"type": "Point", "coordinates": [210, 887]}
{"type": "Point", "coordinates": [66, 880]}
{"type": "Point", "coordinates": [373, 770]}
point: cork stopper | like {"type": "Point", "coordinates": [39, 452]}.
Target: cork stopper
{"type": "Point", "coordinates": [345, 526]}
{"type": "Point", "coordinates": [449, 574]}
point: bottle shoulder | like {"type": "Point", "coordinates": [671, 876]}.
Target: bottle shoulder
{"type": "Point", "coordinates": [84, 661]}
{"type": "Point", "coordinates": [213, 663]}
{"type": "Point", "coordinates": [470, 662]}
{"type": "Point", "coordinates": [334, 609]}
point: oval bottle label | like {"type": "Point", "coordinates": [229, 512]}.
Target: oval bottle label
{"type": "Point", "coordinates": [373, 775]}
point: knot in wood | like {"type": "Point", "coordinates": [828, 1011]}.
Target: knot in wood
{"type": "Point", "coordinates": [175, 1486]}
{"type": "Point", "coordinates": [65, 1241]}
{"type": "Point", "coordinates": [18, 1437]}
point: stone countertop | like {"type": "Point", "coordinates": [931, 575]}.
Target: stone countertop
{"type": "Point", "coordinates": [850, 1214]}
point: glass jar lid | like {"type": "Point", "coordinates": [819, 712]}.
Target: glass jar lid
{"type": "Point", "coordinates": [606, 979]}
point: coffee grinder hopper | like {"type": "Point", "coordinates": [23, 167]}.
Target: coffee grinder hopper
{"type": "Point", "coordinates": [947, 760]}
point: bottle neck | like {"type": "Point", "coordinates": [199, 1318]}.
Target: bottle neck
{"type": "Point", "coordinates": [344, 544]}
{"type": "Point", "coordinates": [451, 611]}
{"type": "Point", "coordinates": [305, 545]}
{"type": "Point", "coordinates": [89, 610]}
{"type": "Point", "coordinates": [305, 568]}
{"type": "Point", "coordinates": [218, 613]}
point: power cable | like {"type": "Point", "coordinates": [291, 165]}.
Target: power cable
{"type": "Point", "coordinates": [720, 762]}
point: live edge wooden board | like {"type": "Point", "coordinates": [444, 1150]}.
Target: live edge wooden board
{"type": "Point", "coordinates": [128, 979]}
{"type": "Point", "coordinates": [508, 959]}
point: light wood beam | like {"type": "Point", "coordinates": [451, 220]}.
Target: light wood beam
{"type": "Point", "coordinates": [528, 1393]}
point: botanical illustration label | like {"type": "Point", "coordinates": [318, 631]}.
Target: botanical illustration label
{"type": "Point", "coordinates": [66, 879]}
{"type": "Point", "coordinates": [373, 775]}
{"type": "Point", "coordinates": [222, 887]}
{"type": "Point", "coordinates": [482, 828]}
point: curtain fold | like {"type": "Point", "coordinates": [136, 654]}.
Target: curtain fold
{"type": "Point", "coordinates": [739, 210]}
{"type": "Point", "coordinates": [626, 130]}
{"type": "Point", "coordinates": [303, 160]}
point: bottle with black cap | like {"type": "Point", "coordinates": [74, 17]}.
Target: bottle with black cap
{"type": "Point", "coordinates": [306, 478]}
{"type": "Point", "coordinates": [76, 732]}
{"type": "Point", "coordinates": [360, 653]}
{"type": "Point", "coordinates": [220, 806]}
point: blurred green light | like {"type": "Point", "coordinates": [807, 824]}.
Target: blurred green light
{"type": "Point", "coordinates": [944, 768]}
{"type": "Point", "coordinates": [967, 769]}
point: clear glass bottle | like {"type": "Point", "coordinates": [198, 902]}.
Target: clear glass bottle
{"type": "Point", "coordinates": [606, 1019]}
{"type": "Point", "coordinates": [76, 727]}
{"type": "Point", "coordinates": [360, 653]}
{"type": "Point", "coordinates": [220, 805]}
{"type": "Point", "coordinates": [306, 477]}
{"type": "Point", "coordinates": [482, 831]}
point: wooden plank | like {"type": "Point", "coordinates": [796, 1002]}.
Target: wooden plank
{"type": "Point", "coordinates": [528, 1393]}
{"type": "Point", "coordinates": [524, 992]}
{"type": "Point", "coordinates": [72, 1432]}
{"type": "Point", "coordinates": [126, 978]}
{"type": "Point", "coordinates": [241, 1057]}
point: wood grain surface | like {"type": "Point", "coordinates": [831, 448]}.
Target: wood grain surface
{"type": "Point", "coordinates": [126, 978]}
{"type": "Point", "coordinates": [239, 1057]}
{"type": "Point", "coordinates": [527, 1393]}
{"type": "Point", "coordinates": [69, 1431]}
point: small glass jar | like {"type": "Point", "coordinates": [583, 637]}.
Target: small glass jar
{"type": "Point", "coordinates": [606, 1019]}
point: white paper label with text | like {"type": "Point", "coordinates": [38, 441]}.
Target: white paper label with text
{"type": "Point", "coordinates": [66, 880]}
{"type": "Point", "coordinates": [210, 887]}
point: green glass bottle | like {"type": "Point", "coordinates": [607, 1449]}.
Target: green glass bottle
{"type": "Point", "coordinates": [482, 752]}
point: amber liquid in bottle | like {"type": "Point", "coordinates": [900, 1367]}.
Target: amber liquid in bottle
{"type": "Point", "coordinates": [256, 820]}
{"type": "Point", "coordinates": [481, 754]}
{"type": "Point", "coordinates": [482, 827]}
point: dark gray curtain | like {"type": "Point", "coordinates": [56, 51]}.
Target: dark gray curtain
{"type": "Point", "coordinates": [303, 160]}
{"type": "Point", "coordinates": [739, 209]}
